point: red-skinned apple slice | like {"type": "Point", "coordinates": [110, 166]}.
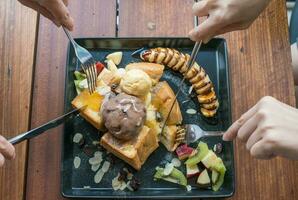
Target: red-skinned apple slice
{"type": "Point", "coordinates": [192, 170]}
{"type": "Point", "coordinates": [184, 151]}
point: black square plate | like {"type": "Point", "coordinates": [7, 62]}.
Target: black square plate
{"type": "Point", "coordinates": [78, 183]}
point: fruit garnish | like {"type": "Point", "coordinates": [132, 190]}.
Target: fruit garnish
{"type": "Point", "coordinates": [202, 151]}
{"type": "Point", "coordinates": [204, 179]}
{"type": "Point", "coordinates": [176, 176]}
{"type": "Point", "coordinates": [168, 169]}
{"type": "Point", "coordinates": [116, 57]}
{"type": "Point", "coordinates": [176, 162]}
{"type": "Point", "coordinates": [184, 151]}
{"type": "Point", "coordinates": [192, 170]}
{"type": "Point", "coordinates": [221, 169]}
{"type": "Point", "coordinates": [214, 176]}
{"type": "Point", "coordinates": [210, 159]}
{"type": "Point", "coordinates": [80, 76]}
{"type": "Point", "coordinates": [99, 67]}
{"type": "Point", "coordinates": [111, 66]}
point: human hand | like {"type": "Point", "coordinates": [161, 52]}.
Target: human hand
{"type": "Point", "coordinates": [7, 150]}
{"type": "Point", "coordinates": [54, 10]}
{"type": "Point", "coordinates": [225, 16]}
{"type": "Point", "coordinates": [269, 129]}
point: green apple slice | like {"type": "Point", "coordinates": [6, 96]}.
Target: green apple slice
{"type": "Point", "coordinates": [214, 176]}
{"type": "Point", "coordinates": [210, 159]}
{"type": "Point", "coordinates": [202, 151]}
{"type": "Point", "coordinates": [204, 179]}
{"type": "Point", "coordinates": [176, 176]}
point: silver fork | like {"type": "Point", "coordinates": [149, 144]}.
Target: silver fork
{"type": "Point", "coordinates": [87, 62]}
{"type": "Point", "coordinates": [192, 133]}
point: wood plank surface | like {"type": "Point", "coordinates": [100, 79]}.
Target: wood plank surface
{"type": "Point", "coordinates": [260, 65]}
{"type": "Point", "coordinates": [93, 18]}
{"type": "Point", "coordinates": [17, 39]}
{"type": "Point", "coordinates": [155, 18]}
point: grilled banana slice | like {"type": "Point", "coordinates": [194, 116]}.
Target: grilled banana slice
{"type": "Point", "coordinates": [197, 76]}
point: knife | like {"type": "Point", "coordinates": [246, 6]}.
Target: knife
{"type": "Point", "coordinates": [51, 124]}
{"type": "Point", "coordinates": [190, 63]}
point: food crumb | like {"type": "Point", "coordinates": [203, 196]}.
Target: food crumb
{"type": "Point", "coordinates": [188, 188]}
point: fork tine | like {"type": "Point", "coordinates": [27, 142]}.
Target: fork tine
{"type": "Point", "coordinates": [90, 87]}
{"type": "Point", "coordinates": [94, 73]}
{"type": "Point", "coordinates": [88, 77]}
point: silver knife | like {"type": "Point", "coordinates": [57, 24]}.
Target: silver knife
{"type": "Point", "coordinates": [51, 124]}
{"type": "Point", "coordinates": [190, 63]}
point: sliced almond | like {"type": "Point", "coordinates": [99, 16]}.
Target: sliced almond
{"type": "Point", "coordinates": [95, 167]}
{"type": "Point", "coordinates": [95, 160]}
{"type": "Point", "coordinates": [77, 138]}
{"type": "Point", "coordinates": [116, 184]}
{"type": "Point", "coordinates": [98, 176]}
{"type": "Point", "coordinates": [123, 185]}
{"type": "Point", "coordinates": [191, 111]}
{"type": "Point", "coordinates": [77, 162]}
{"type": "Point", "coordinates": [97, 154]}
{"type": "Point", "coordinates": [176, 162]}
{"type": "Point", "coordinates": [168, 169]}
{"type": "Point", "coordinates": [106, 166]}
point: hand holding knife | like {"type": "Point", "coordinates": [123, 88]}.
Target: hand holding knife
{"type": "Point", "coordinates": [51, 124]}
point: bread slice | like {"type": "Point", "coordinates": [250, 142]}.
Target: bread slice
{"type": "Point", "coordinates": [168, 137]}
{"type": "Point", "coordinates": [108, 77]}
{"type": "Point", "coordinates": [154, 70]}
{"type": "Point", "coordinates": [162, 99]}
{"type": "Point", "coordinates": [134, 152]}
{"type": "Point", "coordinates": [91, 113]}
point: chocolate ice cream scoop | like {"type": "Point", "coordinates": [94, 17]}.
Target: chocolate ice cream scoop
{"type": "Point", "coordinates": [124, 116]}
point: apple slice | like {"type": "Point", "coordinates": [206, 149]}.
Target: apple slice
{"type": "Point", "coordinates": [221, 169]}
{"type": "Point", "coordinates": [184, 151]}
{"type": "Point", "coordinates": [214, 177]}
{"type": "Point", "coordinates": [192, 170]}
{"type": "Point", "coordinates": [202, 151]}
{"type": "Point", "coordinates": [111, 66]}
{"type": "Point", "coordinates": [176, 176]}
{"type": "Point", "coordinates": [210, 159]}
{"type": "Point", "coordinates": [204, 179]}
{"type": "Point", "coordinates": [116, 57]}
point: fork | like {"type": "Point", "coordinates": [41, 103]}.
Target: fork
{"type": "Point", "coordinates": [87, 62]}
{"type": "Point", "coordinates": [190, 133]}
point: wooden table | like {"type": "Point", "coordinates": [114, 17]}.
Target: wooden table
{"type": "Point", "coordinates": [32, 60]}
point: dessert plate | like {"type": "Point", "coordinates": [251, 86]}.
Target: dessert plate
{"type": "Point", "coordinates": [79, 182]}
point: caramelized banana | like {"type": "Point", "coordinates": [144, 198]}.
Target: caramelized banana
{"type": "Point", "coordinates": [196, 75]}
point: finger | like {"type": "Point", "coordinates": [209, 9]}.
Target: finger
{"type": "Point", "coordinates": [262, 150]}
{"type": "Point", "coordinates": [60, 12]}
{"type": "Point", "coordinates": [255, 137]}
{"type": "Point", "coordinates": [38, 8]}
{"type": "Point", "coordinates": [231, 133]}
{"type": "Point", "coordinates": [6, 148]}
{"type": "Point", "coordinates": [248, 128]}
{"type": "Point", "coordinates": [200, 8]}
{"type": "Point", "coordinates": [65, 2]}
{"type": "Point", "coordinates": [205, 30]}
{"type": "Point", "coordinates": [2, 160]}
